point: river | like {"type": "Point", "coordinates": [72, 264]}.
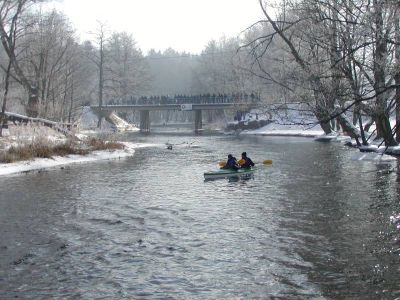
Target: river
{"type": "Point", "coordinates": [313, 225]}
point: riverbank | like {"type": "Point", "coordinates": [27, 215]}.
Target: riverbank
{"type": "Point", "coordinates": [373, 152]}
{"type": "Point", "coordinates": [39, 164]}
{"type": "Point", "coordinates": [274, 129]}
{"type": "Point", "coordinates": [278, 121]}
{"type": "Point", "coordinates": [25, 136]}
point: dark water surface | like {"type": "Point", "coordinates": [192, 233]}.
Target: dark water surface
{"type": "Point", "coordinates": [314, 225]}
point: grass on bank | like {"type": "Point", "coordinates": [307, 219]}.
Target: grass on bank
{"type": "Point", "coordinates": [42, 148]}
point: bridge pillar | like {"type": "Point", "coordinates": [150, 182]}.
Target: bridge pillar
{"type": "Point", "coordinates": [145, 121]}
{"type": "Point", "coordinates": [198, 120]}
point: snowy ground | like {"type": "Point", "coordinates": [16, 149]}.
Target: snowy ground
{"type": "Point", "coordinates": [373, 157]}
{"type": "Point", "coordinates": [286, 122]}
{"type": "Point", "coordinates": [57, 161]}
{"type": "Point", "coordinates": [286, 130]}
{"type": "Point", "coordinates": [284, 125]}
{"type": "Point", "coordinates": [18, 135]}
{"type": "Point", "coordinates": [89, 121]}
{"type": "Point", "coordinates": [27, 133]}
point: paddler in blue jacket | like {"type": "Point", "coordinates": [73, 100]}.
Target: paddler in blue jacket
{"type": "Point", "coordinates": [245, 162]}
{"type": "Point", "coordinates": [231, 163]}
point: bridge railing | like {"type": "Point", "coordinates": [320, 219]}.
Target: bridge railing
{"type": "Point", "coordinates": [197, 99]}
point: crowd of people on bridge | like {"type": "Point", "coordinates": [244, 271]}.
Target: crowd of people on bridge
{"type": "Point", "coordinates": [193, 99]}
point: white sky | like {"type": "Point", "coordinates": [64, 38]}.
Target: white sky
{"type": "Point", "coordinates": [184, 25]}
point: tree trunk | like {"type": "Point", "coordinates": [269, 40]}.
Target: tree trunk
{"type": "Point", "coordinates": [322, 114]}
{"type": "Point", "coordinates": [347, 125]}
{"type": "Point", "coordinates": [335, 59]}
{"type": "Point", "coordinates": [382, 116]}
{"type": "Point", "coordinates": [4, 106]}
{"type": "Point", "coordinates": [326, 127]}
{"type": "Point", "coordinates": [362, 132]}
{"type": "Point", "coordinates": [397, 76]}
{"type": "Point", "coordinates": [71, 102]}
{"type": "Point", "coordinates": [32, 108]}
{"type": "Point", "coordinates": [356, 113]}
{"type": "Point", "coordinates": [383, 127]}
{"type": "Point", "coordinates": [101, 76]}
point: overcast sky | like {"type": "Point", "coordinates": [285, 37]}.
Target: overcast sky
{"type": "Point", "coordinates": [184, 25]}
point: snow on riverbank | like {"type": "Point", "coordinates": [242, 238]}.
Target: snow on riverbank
{"type": "Point", "coordinates": [284, 124]}
{"type": "Point", "coordinates": [274, 129]}
{"type": "Point", "coordinates": [44, 163]}
{"type": "Point", "coordinates": [113, 123]}
{"type": "Point", "coordinates": [286, 121]}
{"type": "Point", "coordinates": [373, 157]}
{"type": "Point", "coordinates": [25, 134]}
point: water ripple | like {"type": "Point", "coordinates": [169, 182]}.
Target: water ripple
{"type": "Point", "coordinates": [308, 227]}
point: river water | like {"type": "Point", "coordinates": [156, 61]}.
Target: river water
{"type": "Point", "coordinates": [313, 225]}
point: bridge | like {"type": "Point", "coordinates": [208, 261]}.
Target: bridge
{"type": "Point", "coordinates": [193, 103]}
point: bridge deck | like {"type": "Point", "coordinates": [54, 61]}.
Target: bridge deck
{"type": "Point", "coordinates": [179, 107]}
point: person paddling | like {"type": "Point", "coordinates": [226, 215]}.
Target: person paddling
{"type": "Point", "coordinates": [231, 163]}
{"type": "Point", "coordinates": [246, 162]}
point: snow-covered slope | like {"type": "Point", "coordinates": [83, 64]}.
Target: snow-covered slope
{"type": "Point", "coordinates": [120, 123]}
{"type": "Point", "coordinates": [89, 121]}
{"type": "Point", "coordinates": [287, 120]}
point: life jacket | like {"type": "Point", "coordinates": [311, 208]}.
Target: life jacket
{"type": "Point", "coordinates": [247, 163]}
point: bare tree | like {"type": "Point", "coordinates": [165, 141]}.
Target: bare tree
{"type": "Point", "coordinates": [397, 72]}
{"type": "Point", "coordinates": [343, 54]}
{"type": "Point", "coordinates": [3, 119]}
{"type": "Point", "coordinates": [47, 39]}
{"type": "Point", "coordinates": [9, 19]}
{"type": "Point", "coordinates": [380, 87]}
{"type": "Point", "coordinates": [99, 60]}
{"type": "Point", "coordinates": [126, 70]}
{"type": "Point", "coordinates": [311, 57]}
{"type": "Point", "coordinates": [11, 12]}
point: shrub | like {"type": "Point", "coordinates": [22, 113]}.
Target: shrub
{"type": "Point", "coordinates": [41, 151]}
{"type": "Point", "coordinates": [97, 144]}
{"type": "Point", "coordinates": [68, 148]}
{"type": "Point", "coordinates": [16, 154]}
{"type": "Point", "coordinates": [37, 150]}
{"type": "Point", "coordinates": [44, 149]}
